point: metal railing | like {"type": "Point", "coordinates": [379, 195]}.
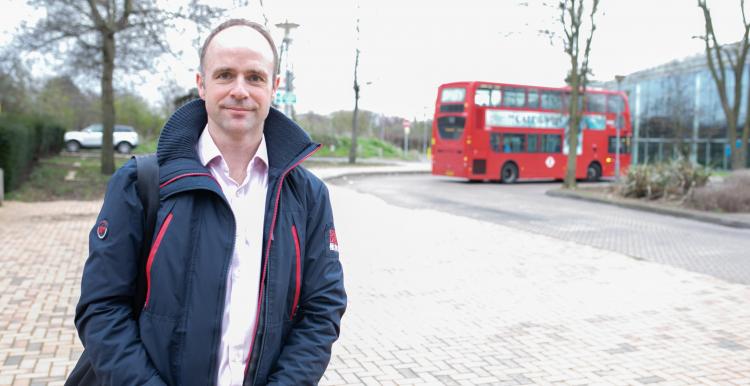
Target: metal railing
{"type": "Point", "coordinates": [710, 152]}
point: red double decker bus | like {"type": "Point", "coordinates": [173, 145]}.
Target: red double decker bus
{"type": "Point", "coordinates": [496, 131]}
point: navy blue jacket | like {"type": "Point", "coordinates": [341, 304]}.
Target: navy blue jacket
{"type": "Point", "coordinates": [177, 336]}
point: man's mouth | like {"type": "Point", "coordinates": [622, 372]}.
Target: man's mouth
{"type": "Point", "coordinates": [237, 108]}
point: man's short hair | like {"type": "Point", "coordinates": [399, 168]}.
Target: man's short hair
{"type": "Point", "coordinates": [241, 22]}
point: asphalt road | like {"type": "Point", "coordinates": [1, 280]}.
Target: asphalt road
{"type": "Point", "coordinates": [689, 244]}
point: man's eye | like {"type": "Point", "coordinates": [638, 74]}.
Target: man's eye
{"type": "Point", "coordinates": [255, 78]}
{"type": "Point", "coordinates": [224, 76]}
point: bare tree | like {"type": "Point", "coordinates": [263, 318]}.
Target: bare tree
{"type": "Point", "coordinates": [678, 105]}
{"type": "Point", "coordinates": [97, 36]}
{"type": "Point", "coordinates": [726, 64]}
{"type": "Point", "coordinates": [353, 148]}
{"type": "Point", "coordinates": [14, 83]}
{"type": "Point", "coordinates": [571, 17]}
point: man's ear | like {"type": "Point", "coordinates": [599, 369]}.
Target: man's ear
{"type": "Point", "coordinates": [276, 84]}
{"type": "Point", "coordinates": [199, 81]}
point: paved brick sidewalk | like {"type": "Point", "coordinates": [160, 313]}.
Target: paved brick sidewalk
{"type": "Point", "coordinates": [42, 250]}
{"type": "Point", "coordinates": [434, 299]}
{"type": "Point", "coordinates": [440, 299]}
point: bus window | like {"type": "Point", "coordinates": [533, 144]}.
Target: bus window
{"type": "Point", "coordinates": [624, 148]}
{"type": "Point", "coordinates": [551, 143]}
{"type": "Point", "coordinates": [615, 104]}
{"type": "Point", "coordinates": [513, 143]}
{"type": "Point", "coordinates": [533, 101]}
{"type": "Point", "coordinates": [457, 94]}
{"type": "Point", "coordinates": [533, 140]}
{"type": "Point", "coordinates": [451, 127]}
{"type": "Point", "coordinates": [495, 142]}
{"type": "Point", "coordinates": [495, 97]}
{"type": "Point", "coordinates": [482, 97]}
{"type": "Point", "coordinates": [596, 103]}
{"type": "Point", "coordinates": [551, 100]}
{"type": "Point", "coordinates": [514, 97]}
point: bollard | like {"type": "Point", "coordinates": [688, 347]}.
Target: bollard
{"type": "Point", "coordinates": [2, 187]}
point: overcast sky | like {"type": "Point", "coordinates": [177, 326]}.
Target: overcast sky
{"type": "Point", "coordinates": [409, 47]}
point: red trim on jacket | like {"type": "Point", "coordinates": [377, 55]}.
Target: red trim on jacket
{"type": "Point", "coordinates": [173, 179]}
{"type": "Point", "coordinates": [267, 254]}
{"type": "Point", "coordinates": [151, 255]}
{"type": "Point", "coordinates": [298, 273]}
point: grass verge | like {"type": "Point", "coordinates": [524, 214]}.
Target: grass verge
{"type": "Point", "coordinates": [65, 177]}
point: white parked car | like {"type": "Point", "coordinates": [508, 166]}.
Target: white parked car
{"type": "Point", "coordinates": [124, 138]}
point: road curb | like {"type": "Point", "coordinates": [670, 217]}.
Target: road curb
{"type": "Point", "coordinates": [683, 213]}
{"type": "Point", "coordinates": [361, 173]}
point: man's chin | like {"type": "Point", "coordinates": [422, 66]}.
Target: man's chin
{"type": "Point", "coordinates": [239, 125]}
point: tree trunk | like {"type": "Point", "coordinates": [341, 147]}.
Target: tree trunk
{"type": "Point", "coordinates": [353, 148]}
{"type": "Point", "coordinates": [573, 124]}
{"type": "Point", "coordinates": [108, 103]}
{"type": "Point", "coordinates": [735, 159]}
{"type": "Point", "coordinates": [743, 149]}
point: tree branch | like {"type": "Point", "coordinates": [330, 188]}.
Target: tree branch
{"type": "Point", "coordinates": [96, 17]}
{"type": "Point", "coordinates": [123, 21]}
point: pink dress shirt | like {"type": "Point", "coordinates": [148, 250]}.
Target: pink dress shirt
{"type": "Point", "coordinates": [247, 199]}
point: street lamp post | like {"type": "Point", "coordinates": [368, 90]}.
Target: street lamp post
{"type": "Point", "coordinates": [289, 98]}
{"type": "Point", "coordinates": [619, 79]}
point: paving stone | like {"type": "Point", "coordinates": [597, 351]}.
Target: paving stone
{"type": "Point", "coordinates": [433, 299]}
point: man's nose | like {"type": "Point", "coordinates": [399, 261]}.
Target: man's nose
{"type": "Point", "coordinates": [239, 89]}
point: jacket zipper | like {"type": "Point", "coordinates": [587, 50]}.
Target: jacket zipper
{"type": "Point", "coordinates": [265, 261]}
{"type": "Point", "coordinates": [222, 287]}
{"type": "Point", "coordinates": [152, 253]}
{"type": "Point", "coordinates": [298, 275]}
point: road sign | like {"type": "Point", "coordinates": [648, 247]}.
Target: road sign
{"type": "Point", "coordinates": [290, 98]}
{"type": "Point", "coordinates": [285, 98]}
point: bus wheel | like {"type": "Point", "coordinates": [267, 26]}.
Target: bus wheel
{"type": "Point", "coordinates": [594, 172]}
{"type": "Point", "coordinates": [509, 173]}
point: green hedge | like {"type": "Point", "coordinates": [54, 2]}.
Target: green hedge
{"type": "Point", "coordinates": [338, 146]}
{"type": "Point", "coordinates": [23, 140]}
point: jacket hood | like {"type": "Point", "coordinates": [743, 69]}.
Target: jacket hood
{"type": "Point", "coordinates": [285, 140]}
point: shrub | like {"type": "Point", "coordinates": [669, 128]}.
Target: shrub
{"type": "Point", "coordinates": [325, 139]}
{"type": "Point", "coordinates": [732, 195]}
{"type": "Point", "coordinates": [23, 140]}
{"type": "Point", "coordinates": [670, 180]}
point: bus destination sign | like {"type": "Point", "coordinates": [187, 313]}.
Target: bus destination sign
{"type": "Point", "coordinates": [538, 120]}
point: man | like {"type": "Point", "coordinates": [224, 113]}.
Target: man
{"type": "Point", "coordinates": [244, 284]}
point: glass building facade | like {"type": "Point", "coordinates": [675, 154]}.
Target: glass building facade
{"type": "Point", "coordinates": [676, 111]}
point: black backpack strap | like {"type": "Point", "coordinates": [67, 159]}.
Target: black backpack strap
{"type": "Point", "coordinates": [147, 186]}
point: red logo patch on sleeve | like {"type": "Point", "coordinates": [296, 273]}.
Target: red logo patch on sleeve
{"type": "Point", "coordinates": [102, 229]}
{"type": "Point", "coordinates": [333, 244]}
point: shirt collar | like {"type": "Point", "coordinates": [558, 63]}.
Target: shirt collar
{"type": "Point", "coordinates": [208, 151]}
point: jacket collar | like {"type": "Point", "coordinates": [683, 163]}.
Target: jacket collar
{"type": "Point", "coordinates": [286, 142]}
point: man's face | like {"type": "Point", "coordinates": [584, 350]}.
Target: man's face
{"type": "Point", "coordinates": [237, 81]}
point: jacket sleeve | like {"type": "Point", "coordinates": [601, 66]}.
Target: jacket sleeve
{"type": "Point", "coordinates": [307, 350]}
{"type": "Point", "coordinates": [104, 313]}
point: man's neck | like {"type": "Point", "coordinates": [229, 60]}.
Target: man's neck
{"type": "Point", "coordinates": [236, 151]}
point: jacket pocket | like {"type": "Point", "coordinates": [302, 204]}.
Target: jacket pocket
{"type": "Point", "coordinates": [152, 253]}
{"type": "Point", "coordinates": [298, 272]}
